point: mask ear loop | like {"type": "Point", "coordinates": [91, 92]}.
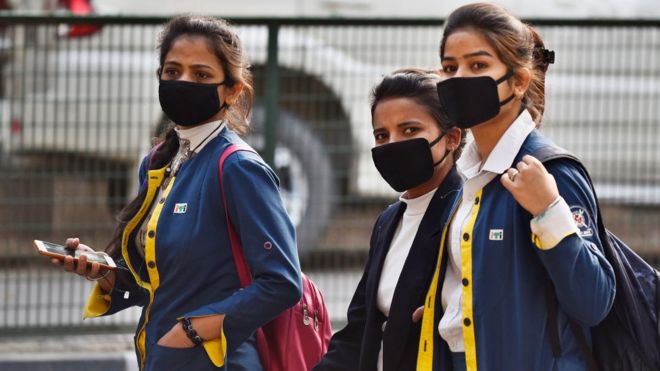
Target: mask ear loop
{"type": "Point", "coordinates": [447, 152]}
{"type": "Point", "coordinates": [437, 139]}
{"type": "Point", "coordinates": [507, 76]}
{"type": "Point", "coordinates": [224, 104]}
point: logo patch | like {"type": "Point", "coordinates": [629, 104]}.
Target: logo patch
{"type": "Point", "coordinates": [582, 221]}
{"type": "Point", "coordinates": [496, 235]}
{"type": "Point", "coordinates": [180, 208]}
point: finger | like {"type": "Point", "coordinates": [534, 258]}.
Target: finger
{"type": "Point", "coordinates": [72, 243]}
{"type": "Point", "coordinates": [418, 314]}
{"type": "Point", "coordinates": [56, 261]}
{"type": "Point", "coordinates": [522, 166]}
{"type": "Point", "coordinates": [507, 182]}
{"type": "Point", "coordinates": [529, 160]}
{"type": "Point", "coordinates": [94, 270]}
{"type": "Point", "coordinates": [81, 267]}
{"type": "Point", "coordinates": [533, 162]}
{"type": "Point", "coordinates": [512, 173]}
{"type": "Point", "coordinates": [69, 265]}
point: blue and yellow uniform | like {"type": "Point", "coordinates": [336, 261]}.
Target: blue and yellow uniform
{"type": "Point", "coordinates": [188, 268]}
{"type": "Point", "coordinates": [503, 273]}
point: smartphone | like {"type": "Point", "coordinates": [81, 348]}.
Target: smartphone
{"type": "Point", "coordinates": [56, 251]}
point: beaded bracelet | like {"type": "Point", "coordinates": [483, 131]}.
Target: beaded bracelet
{"type": "Point", "coordinates": [190, 331]}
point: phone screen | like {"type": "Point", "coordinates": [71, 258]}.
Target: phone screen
{"type": "Point", "coordinates": [61, 250]}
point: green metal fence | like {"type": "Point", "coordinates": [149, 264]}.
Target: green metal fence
{"type": "Point", "coordinates": [77, 114]}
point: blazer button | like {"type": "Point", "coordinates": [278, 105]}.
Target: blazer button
{"type": "Point", "coordinates": [467, 322]}
{"type": "Point", "coordinates": [152, 234]}
{"type": "Point", "coordinates": [466, 236]}
{"type": "Point", "coordinates": [151, 264]}
{"type": "Point", "coordinates": [465, 282]}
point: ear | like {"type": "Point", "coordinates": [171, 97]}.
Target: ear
{"type": "Point", "coordinates": [521, 81]}
{"type": "Point", "coordinates": [453, 138]}
{"type": "Point", "coordinates": [232, 93]}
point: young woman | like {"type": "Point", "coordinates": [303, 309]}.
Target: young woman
{"type": "Point", "coordinates": [514, 230]}
{"type": "Point", "coordinates": [172, 240]}
{"type": "Point", "coordinates": [415, 153]}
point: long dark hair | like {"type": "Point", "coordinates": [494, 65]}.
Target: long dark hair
{"type": "Point", "coordinates": [420, 86]}
{"type": "Point", "coordinates": [226, 46]}
{"type": "Point", "coordinates": [517, 44]}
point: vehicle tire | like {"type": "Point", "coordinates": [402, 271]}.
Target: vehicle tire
{"type": "Point", "coordinates": [307, 181]}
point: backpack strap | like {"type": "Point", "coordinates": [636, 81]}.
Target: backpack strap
{"type": "Point", "coordinates": [546, 154]}
{"type": "Point", "coordinates": [152, 153]}
{"type": "Point", "coordinates": [242, 267]}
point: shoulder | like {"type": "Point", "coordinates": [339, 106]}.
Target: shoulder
{"type": "Point", "coordinates": [538, 145]}
{"type": "Point", "coordinates": [246, 158]}
{"type": "Point", "coordinates": [389, 213]}
{"type": "Point", "coordinates": [386, 217]}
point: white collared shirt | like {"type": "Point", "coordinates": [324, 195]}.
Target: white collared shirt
{"type": "Point", "coordinates": [200, 135]}
{"type": "Point", "coordinates": [553, 222]}
{"type": "Point", "coordinates": [398, 252]}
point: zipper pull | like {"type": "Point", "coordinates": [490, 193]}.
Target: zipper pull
{"type": "Point", "coordinates": [306, 319]}
{"type": "Point", "coordinates": [316, 319]}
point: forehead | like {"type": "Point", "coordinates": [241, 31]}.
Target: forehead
{"type": "Point", "coordinates": [465, 41]}
{"type": "Point", "coordinates": [393, 111]}
{"type": "Point", "coordinates": [187, 48]}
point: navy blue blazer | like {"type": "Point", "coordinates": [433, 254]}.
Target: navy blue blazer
{"type": "Point", "coordinates": [357, 345]}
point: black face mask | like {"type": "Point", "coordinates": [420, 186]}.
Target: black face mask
{"type": "Point", "coordinates": [188, 103]}
{"type": "Point", "coordinates": [406, 164]}
{"type": "Point", "coordinates": [469, 101]}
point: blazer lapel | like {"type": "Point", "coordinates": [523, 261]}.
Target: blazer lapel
{"type": "Point", "coordinates": [385, 234]}
{"type": "Point", "coordinates": [418, 270]}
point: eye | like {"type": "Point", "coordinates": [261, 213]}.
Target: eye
{"type": "Point", "coordinates": [479, 65]}
{"type": "Point", "coordinates": [449, 68]}
{"type": "Point", "coordinates": [201, 75]}
{"type": "Point", "coordinates": [410, 130]}
{"type": "Point", "coordinates": [379, 137]}
{"type": "Point", "coordinates": [170, 73]}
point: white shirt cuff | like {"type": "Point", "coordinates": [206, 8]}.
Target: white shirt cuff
{"type": "Point", "coordinates": [553, 225]}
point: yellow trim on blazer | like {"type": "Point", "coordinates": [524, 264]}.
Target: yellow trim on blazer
{"type": "Point", "coordinates": [426, 344]}
{"type": "Point", "coordinates": [466, 272]}
{"type": "Point", "coordinates": [154, 180]}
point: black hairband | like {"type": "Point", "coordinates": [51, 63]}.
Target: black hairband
{"type": "Point", "coordinates": [548, 56]}
{"type": "Point", "coordinates": [544, 55]}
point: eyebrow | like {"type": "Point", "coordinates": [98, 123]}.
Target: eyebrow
{"type": "Point", "coordinates": [198, 65]}
{"type": "Point", "coordinates": [470, 55]}
{"type": "Point", "coordinates": [402, 124]}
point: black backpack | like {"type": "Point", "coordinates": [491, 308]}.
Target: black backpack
{"type": "Point", "coordinates": [628, 339]}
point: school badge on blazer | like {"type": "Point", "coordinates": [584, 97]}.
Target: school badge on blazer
{"type": "Point", "coordinates": [180, 208]}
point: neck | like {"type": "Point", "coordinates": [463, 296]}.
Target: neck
{"type": "Point", "coordinates": [487, 134]}
{"type": "Point", "coordinates": [439, 176]}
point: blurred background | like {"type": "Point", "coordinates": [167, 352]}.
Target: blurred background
{"type": "Point", "coordinates": [79, 106]}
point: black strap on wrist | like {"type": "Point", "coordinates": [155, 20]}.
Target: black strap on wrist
{"type": "Point", "coordinates": [190, 331]}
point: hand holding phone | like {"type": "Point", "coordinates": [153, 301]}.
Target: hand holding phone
{"type": "Point", "coordinates": [76, 257]}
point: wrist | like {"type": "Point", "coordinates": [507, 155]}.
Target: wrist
{"type": "Point", "coordinates": [190, 332]}
{"type": "Point", "coordinates": [554, 202]}
{"type": "Point", "coordinates": [98, 276]}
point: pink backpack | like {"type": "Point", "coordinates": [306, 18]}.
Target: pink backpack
{"type": "Point", "coordinates": [297, 338]}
